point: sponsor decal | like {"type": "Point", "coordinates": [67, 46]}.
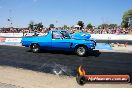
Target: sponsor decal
{"type": "Point", "coordinates": [83, 35]}
{"type": "Point", "coordinates": [13, 40]}
{"type": "Point", "coordinates": [2, 39]}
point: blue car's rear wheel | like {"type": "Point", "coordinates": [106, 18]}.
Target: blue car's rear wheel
{"type": "Point", "coordinates": [35, 48]}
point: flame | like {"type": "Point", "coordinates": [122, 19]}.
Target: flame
{"type": "Point", "coordinates": [81, 71]}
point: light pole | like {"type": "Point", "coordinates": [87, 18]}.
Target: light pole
{"type": "Point", "coordinates": [56, 24]}
{"type": "Point", "coordinates": [10, 18]}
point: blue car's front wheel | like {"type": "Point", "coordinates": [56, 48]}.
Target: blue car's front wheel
{"type": "Point", "coordinates": [81, 50]}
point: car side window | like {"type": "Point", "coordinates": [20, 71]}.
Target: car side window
{"type": "Point", "coordinates": [56, 35]}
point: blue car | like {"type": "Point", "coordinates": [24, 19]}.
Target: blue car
{"type": "Point", "coordinates": [58, 40]}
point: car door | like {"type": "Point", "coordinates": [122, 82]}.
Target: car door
{"type": "Point", "coordinates": [58, 42]}
{"type": "Point", "coordinates": [45, 41]}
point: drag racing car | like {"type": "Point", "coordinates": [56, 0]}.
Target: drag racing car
{"type": "Point", "coordinates": [58, 40]}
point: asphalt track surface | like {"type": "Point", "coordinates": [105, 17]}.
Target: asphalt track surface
{"type": "Point", "coordinates": [56, 62]}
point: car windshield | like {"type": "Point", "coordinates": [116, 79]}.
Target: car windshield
{"type": "Point", "coordinates": [65, 34]}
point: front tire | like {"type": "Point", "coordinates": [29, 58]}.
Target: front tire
{"type": "Point", "coordinates": [35, 48]}
{"type": "Point", "coordinates": [81, 50]}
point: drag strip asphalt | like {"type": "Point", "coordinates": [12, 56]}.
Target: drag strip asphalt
{"type": "Point", "coordinates": [52, 61]}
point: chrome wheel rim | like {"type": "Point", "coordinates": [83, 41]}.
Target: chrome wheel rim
{"type": "Point", "coordinates": [35, 48]}
{"type": "Point", "coordinates": [81, 50]}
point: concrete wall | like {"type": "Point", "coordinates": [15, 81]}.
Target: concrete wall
{"type": "Point", "coordinates": [15, 38]}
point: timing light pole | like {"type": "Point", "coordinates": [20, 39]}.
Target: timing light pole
{"type": "Point", "coordinates": [10, 18]}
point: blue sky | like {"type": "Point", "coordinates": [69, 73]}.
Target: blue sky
{"type": "Point", "coordinates": [63, 11]}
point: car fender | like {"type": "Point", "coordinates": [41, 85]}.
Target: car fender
{"type": "Point", "coordinates": [80, 45]}
{"type": "Point", "coordinates": [33, 43]}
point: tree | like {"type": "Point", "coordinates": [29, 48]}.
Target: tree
{"type": "Point", "coordinates": [65, 27]}
{"type": "Point", "coordinates": [39, 26]}
{"type": "Point", "coordinates": [31, 25]}
{"type": "Point", "coordinates": [80, 23]}
{"type": "Point", "coordinates": [103, 26]}
{"type": "Point", "coordinates": [51, 26]}
{"type": "Point", "coordinates": [89, 26]}
{"type": "Point", "coordinates": [112, 25]}
{"type": "Point", "coordinates": [127, 19]}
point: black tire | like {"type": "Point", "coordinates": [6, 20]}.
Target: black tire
{"type": "Point", "coordinates": [81, 50]}
{"type": "Point", "coordinates": [35, 48]}
{"type": "Point", "coordinates": [81, 80]}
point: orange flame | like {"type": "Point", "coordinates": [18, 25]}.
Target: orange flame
{"type": "Point", "coordinates": [81, 71]}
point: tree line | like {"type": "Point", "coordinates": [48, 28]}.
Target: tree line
{"type": "Point", "coordinates": [126, 23]}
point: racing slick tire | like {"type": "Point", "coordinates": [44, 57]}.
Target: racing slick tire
{"type": "Point", "coordinates": [35, 48]}
{"type": "Point", "coordinates": [81, 50]}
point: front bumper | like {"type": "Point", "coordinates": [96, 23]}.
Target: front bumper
{"type": "Point", "coordinates": [94, 45]}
